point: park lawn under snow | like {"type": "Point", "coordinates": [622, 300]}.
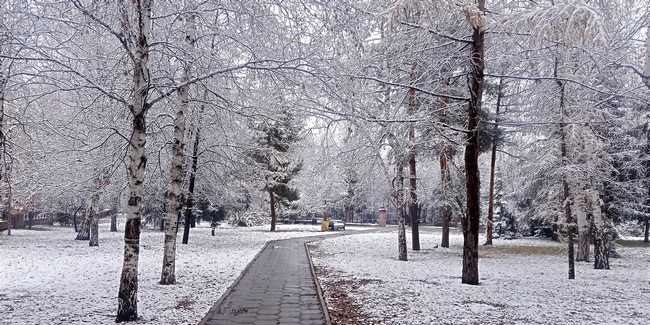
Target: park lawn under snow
{"type": "Point", "coordinates": [47, 277]}
{"type": "Point", "coordinates": [522, 282]}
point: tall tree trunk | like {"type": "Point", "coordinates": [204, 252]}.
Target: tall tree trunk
{"type": "Point", "coordinates": [413, 200]}
{"type": "Point", "coordinates": [4, 172]}
{"type": "Point", "coordinates": [127, 309]}
{"type": "Point", "coordinates": [472, 180]}
{"type": "Point", "coordinates": [401, 227]}
{"type": "Point", "coordinates": [646, 80]}
{"type": "Point", "coordinates": [566, 194]}
{"type": "Point", "coordinates": [127, 301]}
{"type": "Point", "coordinates": [190, 191]}
{"type": "Point", "coordinates": [445, 177]}
{"type": "Point", "coordinates": [493, 159]}
{"type": "Point", "coordinates": [274, 217]}
{"type": "Point", "coordinates": [176, 173]}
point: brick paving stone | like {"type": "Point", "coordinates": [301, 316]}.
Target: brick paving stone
{"type": "Point", "coordinates": [277, 289]}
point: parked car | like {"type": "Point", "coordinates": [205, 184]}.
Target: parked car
{"type": "Point", "coordinates": [337, 224]}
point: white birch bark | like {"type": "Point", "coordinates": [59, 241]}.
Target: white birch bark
{"type": "Point", "coordinates": [136, 38]}
{"type": "Point", "coordinates": [176, 173]}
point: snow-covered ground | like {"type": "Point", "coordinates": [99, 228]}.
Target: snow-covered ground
{"type": "Point", "coordinates": [522, 282]}
{"type": "Point", "coordinates": [46, 277]}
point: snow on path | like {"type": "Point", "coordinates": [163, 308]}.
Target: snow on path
{"type": "Point", "coordinates": [522, 282]}
{"type": "Point", "coordinates": [47, 277]}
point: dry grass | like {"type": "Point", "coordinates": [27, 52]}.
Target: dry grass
{"type": "Point", "coordinates": [523, 250]}
{"type": "Point", "coordinates": [632, 243]}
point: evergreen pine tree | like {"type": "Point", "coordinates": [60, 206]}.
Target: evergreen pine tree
{"type": "Point", "coordinates": [273, 156]}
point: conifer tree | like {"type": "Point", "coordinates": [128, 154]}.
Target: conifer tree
{"type": "Point", "coordinates": [274, 158]}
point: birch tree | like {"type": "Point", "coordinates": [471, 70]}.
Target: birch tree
{"type": "Point", "coordinates": [176, 172]}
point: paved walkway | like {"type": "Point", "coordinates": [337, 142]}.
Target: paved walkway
{"type": "Point", "coordinates": [277, 289]}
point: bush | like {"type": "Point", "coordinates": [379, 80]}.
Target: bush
{"type": "Point", "coordinates": [249, 218]}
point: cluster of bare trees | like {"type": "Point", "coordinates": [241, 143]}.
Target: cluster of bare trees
{"type": "Point", "coordinates": [153, 99]}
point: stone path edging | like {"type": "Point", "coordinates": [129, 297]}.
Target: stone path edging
{"type": "Point", "coordinates": [319, 290]}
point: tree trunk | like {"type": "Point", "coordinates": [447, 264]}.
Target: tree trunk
{"type": "Point", "coordinates": [566, 195]}
{"type": "Point", "coordinates": [273, 215]}
{"type": "Point", "coordinates": [584, 246]}
{"type": "Point", "coordinates": [647, 229]}
{"type": "Point", "coordinates": [84, 228]}
{"type": "Point", "coordinates": [94, 232]}
{"type": "Point", "coordinates": [445, 177]}
{"type": "Point", "coordinates": [401, 227]}
{"type": "Point", "coordinates": [114, 222]}
{"type": "Point", "coordinates": [598, 226]}
{"type": "Point", "coordinates": [114, 215]}
{"type": "Point", "coordinates": [581, 211]}
{"type": "Point", "coordinates": [92, 220]}
{"type": "Point", "coordinates": [472, 181]}
{"type": "Point", "coordinates": [4, 171]}
{"type": "Point", "coordinates": [127, 298]}
{"type": "Point", "coordinates": [127, 308]}
{"type": "Point", "coordinates": [190, 191]}
{"type": "Point", "coordinates": [176, 173]}
{"type": "Point", "coordinates": [601, 244]}
{"type": "Point", "coordinates": [493, 159]}
{"type": "Point", "coordinates": [413, 200]}
{"type": "Point", "coordinates": [74, 220]}
{"type": "Point", "coordinates": [601, 250]}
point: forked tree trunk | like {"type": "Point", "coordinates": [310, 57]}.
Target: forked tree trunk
{"type": "Point", "coordinates": [489, 230]}
{"type": "Point", "coordinates": [176, 173]}
{"type": "Point", "coordinates": [472, 180]}
{"type": "Point", "coordinates": [401, 227]}
{"type": "Point", "coordinates": [274, 217]}
{"type": "Point", "coordinates": [127, 298]}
